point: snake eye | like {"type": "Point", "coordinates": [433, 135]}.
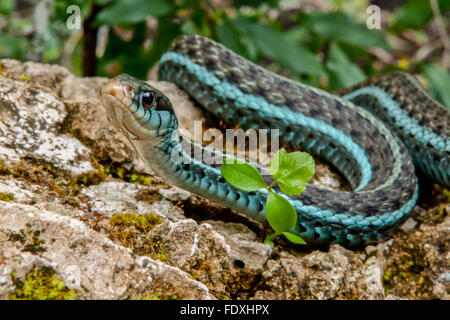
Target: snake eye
{"type": "Point", "coordinates": [148, 100]}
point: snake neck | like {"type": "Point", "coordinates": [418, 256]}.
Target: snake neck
{"type": "Point", "coordinates": [196, 168]}
{"type": "Point", "coordinates": [172, 156]}
{"type": "Point", "coordinates": [155, 151]}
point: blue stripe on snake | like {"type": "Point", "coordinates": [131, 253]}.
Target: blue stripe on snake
{"type": "Point", "coordinates": [226, 90]}
{"type": "Point", "coordinates": [372, 158]}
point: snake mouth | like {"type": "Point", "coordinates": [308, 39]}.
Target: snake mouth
{"type": "Point", "coordinates": [117, 98]}
{"type": "Point", "coordinates": [121, 93]}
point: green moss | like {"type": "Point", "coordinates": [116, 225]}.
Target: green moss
{"type": "Point", "coordinates": [202, 269]}
{"type": "Point", "coordinates": [407, 273]}
{"type": "Point", "coordinates": [41, 284]}
{"type": "Point", "coordinates": [161, 256]}
{"type": "Point", "coordinates": [447, 193]}
{"type": "Point", "coordinates": [387, 275]}
{"type": "Point", "coordinates": [6, 196]}
{"type": "Point", "coordinates": [140, 179]}
{"type": "Point", "coordinates": [127, 175]}
{"type": "Point", "coordinates": [132, 231]}
{"type": "Point", "coordinates": [86, 179]}
{"type": "Point", "coordinates": [293, 295]}
{"type": "Point", "coordinates": [149, 197]}
{"type": "Point", "coordinates": [156, 296]}
{"type": "Point", "coordinates": [96, 177]}
{"type": "Point", "coordinates": [143, 223]}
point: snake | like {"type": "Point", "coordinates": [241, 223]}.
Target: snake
{"type": "Point", "coordinates": [376, 134]}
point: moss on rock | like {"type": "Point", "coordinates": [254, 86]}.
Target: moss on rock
{"type": "Point", "coordinates": [6, 196]}
{"type": "Point", "coordinates": [142, 223]}
{"type": "Point", "coordinates": [132, 229]}
{"type": "Point", "coordinates": [41, 284]}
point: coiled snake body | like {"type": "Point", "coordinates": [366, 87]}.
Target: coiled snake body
{"type": "Point", "coordinates": [369, 154]}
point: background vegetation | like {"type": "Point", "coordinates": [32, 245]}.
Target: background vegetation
{"type": "Point", "coordinates": [325, 43]}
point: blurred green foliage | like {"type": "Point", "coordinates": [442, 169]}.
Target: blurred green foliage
{"type": "Point", "coordinates": [330, 49]}
{"type": "Point", "coordinates": [416, 14]}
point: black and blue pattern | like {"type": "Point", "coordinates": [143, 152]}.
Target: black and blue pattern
{"type": "Point", "coordinates": [372, 158]}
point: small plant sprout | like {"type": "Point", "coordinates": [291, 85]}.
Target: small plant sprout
{"type": "Point", "coordinates": [291, 171]}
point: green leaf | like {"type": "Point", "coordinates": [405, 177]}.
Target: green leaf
{"type": "Point", "coordinates": [439, 80]}
{"type": "Point", "coordinates": [416, 14]}
{"type": "Point", "coordinates": [341, 27]}
{"type": "Point", "coordinates": [295, 34]}
{"type": "Point", "coordinates": [292, 170]}
{"type": "Point", "coordinates": [294, 238]}
{"type": "Point", "coordinates": [343, 73]}
{"type": "Point", "coordinates": [133, 11]}
{"type": "Point", "coordinates": [229, 36]}
{"type": "Point", "coordinates": [13, 47]}
{"type": "Point", "coordinates": [280, 213]}
{"type": "Point", "coordinates": [53, 49]}
{"type": "Point", "coordinates": [103, 2]}
{"type": "Point", "coordinates": [413, 14]}
{"type": "Point", "coordinates": [189, 27]}
{"type": "Point", "coordinates": [242, 175]}
{"type": "Point", "coordinates": [270, 243]}
{"type": "Point", "coordinates": [281, 48]}
{"type": "Point", "coordinates": [7, 6]}
{"type": "Point", "coordinates": [164, 36]}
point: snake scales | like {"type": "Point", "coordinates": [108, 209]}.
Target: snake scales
{"type": "Point", "coordinates": [370, 155]}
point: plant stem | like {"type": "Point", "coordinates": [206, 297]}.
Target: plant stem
{"type": "Point", "coordinates": [442, 32]}
{"type": "Point", "coordinates": [272, 236]}
{"type": "Point", "coordinates": [269, 188]}
{"type": "Point", "coordinates": [262, 236]}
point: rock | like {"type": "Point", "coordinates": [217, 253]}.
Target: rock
{"type": "Point", "coordinates": [174, 193]}
{"type": "Point", "coordinates": [196, 249]}
{"type": "Point", "coordinates": [435, 246]}
{"type": "Point", "coordinates": [245, 249]}
{"type": "Point", "coordinates": [19, 194]}
{"type": "Point", "coordinates": [410, 224]}
{"type": "Point", "coordinates": [65, 172]}
{"type": "Point", "coordinates": [6, 283]}
{"type": "Point", "coordinates": [417, 260]}
{"type": "Point", "coordinates": [30, 125]}
{"type": "Point", "coordinates": [336, 274]}
{"type": "Point", "coordinates": [112, 197]}
{"type": "Point", "coordinates": [85, 260]}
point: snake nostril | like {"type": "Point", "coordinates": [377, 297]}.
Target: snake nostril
{"type": "Point", "coordinates": [128, 90]}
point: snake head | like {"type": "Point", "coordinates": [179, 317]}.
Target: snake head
{"type": "Point", "coordinates": [138, 109]}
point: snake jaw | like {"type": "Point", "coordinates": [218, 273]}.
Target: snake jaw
{"type": "Point", "coordinates": [122, 100]}
{"type": "Point", "coordinates": [117, 98]}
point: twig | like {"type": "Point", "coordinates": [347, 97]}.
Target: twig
{"type": "Point", "coordinates": [90, 43]}
{"type": "Point", "coordinates": [262, 235]}
{"type": "Point", "coordinates": [442, 33]}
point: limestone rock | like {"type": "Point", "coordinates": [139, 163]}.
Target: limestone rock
{"type": "Point", "coordinates": [84, 259]}
{"type": "Point", "coordinates": [30, 128]}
